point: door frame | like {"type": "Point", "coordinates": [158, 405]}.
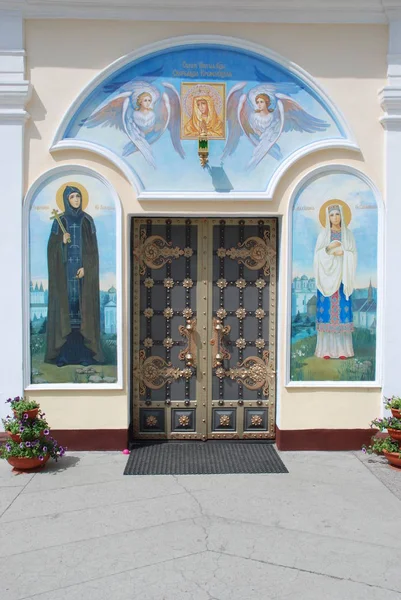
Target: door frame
{"type": "Point", "coordinates": [281, 305]}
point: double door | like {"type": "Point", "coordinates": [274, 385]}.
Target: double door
{"type": "Point", "coordinates": [204, 328]}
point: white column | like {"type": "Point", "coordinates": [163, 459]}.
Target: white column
{"type": "Point", "coordinates": [14, 94]}
{"type": "Point", "coordinates": [390, 99]}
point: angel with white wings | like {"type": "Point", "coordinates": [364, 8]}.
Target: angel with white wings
{"type": "Point", "coordinates": [143, 114]}
{"type": "Point", "coordinates": [263, 114]}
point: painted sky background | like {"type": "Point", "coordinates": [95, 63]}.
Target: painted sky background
{"type": "Point", "coordinates": [174, 173]}
{"type": "Point", "coordinates": [101, 208]}
{"type": "Point", "coordinates": [306, 224]}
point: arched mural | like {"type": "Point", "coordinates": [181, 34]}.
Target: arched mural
{"type": "Point", "coordinates": [334, 279]}
{"type": "Point", "coordinates": [257, 112]}
{"type": "Point", "coordinates": [74, 300]}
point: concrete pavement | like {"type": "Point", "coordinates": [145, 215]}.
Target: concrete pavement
{"type": "Point", "coordinates": [330, 529]}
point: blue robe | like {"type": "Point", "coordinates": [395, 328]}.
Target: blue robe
{"type": "Point", "coordinates": [334, 313]}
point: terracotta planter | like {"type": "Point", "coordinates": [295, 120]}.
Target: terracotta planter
{"type": "Point", "coordinates": [393, 458]}
{"type": "Point", "coordinates": [31, 413]}
{"type": "Point", "coordinates": [396, 412]}
{"type": "Point", "coordinates": [395, 434]}
{"type": "Point", "coordinates": [24, 464]}
{"type": "Point", "coordinates": [16, 437]}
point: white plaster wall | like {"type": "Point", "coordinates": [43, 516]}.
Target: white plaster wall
{"type": "Point", "coordinates": [349, 61]}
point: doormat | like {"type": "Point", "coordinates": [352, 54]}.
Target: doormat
{"type": "Point", "coordinates": [203, 458]}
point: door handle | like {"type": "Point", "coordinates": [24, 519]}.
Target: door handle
{"type": "Point", "coordinates": [188, 331]}
{"type": "Point", "coordinates": [220, 352]}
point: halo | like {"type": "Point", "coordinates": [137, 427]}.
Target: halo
{"type": "Point", "coordinates": [346, 211]}
{"type": "Point", "coordinates": [82, 189]}
{"type": "Point", "coordinates": [141, 87]}
{"type": "Point", "coordinates": [261, 89]}
{"type": "Point", "coordinates": [202, 89]}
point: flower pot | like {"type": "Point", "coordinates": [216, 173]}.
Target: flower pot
{"type": "Point", "coordinates": [16, 437]}
{"type": "Point", "coordinates": [26, 463]}
{"type": "Point", "coordinates": [396, 412]}
{"type": "Point", "coordinates": [31, 413]}
{"type": "Point", "coordinates": [395, 434]}
{"type": "Point", "coordinates": [393, 458]}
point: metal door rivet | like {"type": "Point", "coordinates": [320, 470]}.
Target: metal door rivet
{"type": "Point", "coordinates": [204, 387]}
{"type": "Point", "coordinates": [203, 420]}
{"type": "Point", "coordinates": [204, 404]}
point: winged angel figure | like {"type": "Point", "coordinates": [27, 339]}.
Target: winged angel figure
{"type": "Point", "coordinates": [263, 115]}
{"type": "Point", "coordinates": [144, 114]}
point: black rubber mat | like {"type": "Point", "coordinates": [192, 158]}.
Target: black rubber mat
{"type": "Point", "coordinates": [203, 458]}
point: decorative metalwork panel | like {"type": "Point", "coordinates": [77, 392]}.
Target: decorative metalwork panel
{"type": "Point", "coordinates": [165, 274]}
{"type": "Point", "coordinates": [204, 302]}
{"type": "Point", "coordinates": [243, 307]}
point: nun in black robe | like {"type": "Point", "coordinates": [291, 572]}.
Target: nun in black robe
{"type": "Point", "coordinates": [73, 319]}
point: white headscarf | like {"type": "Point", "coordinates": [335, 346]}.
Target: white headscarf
{"type": "Point", "coordinates": [330, 270]}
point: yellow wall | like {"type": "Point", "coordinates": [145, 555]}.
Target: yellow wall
{"type": "Point", "coordinates": [348, 61]}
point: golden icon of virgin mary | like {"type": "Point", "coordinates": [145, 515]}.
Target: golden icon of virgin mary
{"type": "Point", "coordinates": [203, 110]}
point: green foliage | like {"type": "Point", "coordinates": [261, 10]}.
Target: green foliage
{"type": "Point", "coordinates": [380, 444]}
{"type": "Point", "coordinates": [386, 423]}
{"type": "Point", "coordinates": [36, 439]}
{"type": "Point", "coordinates": [27, 428]}
{"type": "Point", "coordinates": [20, 405]}
{"type": "Point", "coordinates": [393, 402]}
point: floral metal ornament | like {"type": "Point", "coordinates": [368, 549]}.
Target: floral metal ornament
{"type": "Point", "coordinates": [260, 283]}
{"type": "Point", "coordinates": [154, 252]}
{"type": "Point", "coordinates": [240, 283]}
{"type": "Point", "coordinates": [256, 421]}
{"type": "Point", "coordinates": [148, 342]}
{"type": "Point", "coordinates": [240, 343]}
{"type": "Point", "coordinates": [260, 343]}
{"type": "Point", "coordinates": [168, 342]}
{"type": "Point", "coordinates": [187, 283]}
{"type": "Point", "coordinates": [154, 372]}
{"type": "Point", "coordinates": [255, 253]}
{"type": "Point", "coordinates": [149, 282]}
{"type": "Point", "coordinates": [221, 283]}
{"type": "Point", "coordinates": [168, 313]}
{"type": "Point", "coordinates": [254, 373]}
{"type": "Point", "coordinates": [188, 252]}
{"type": "Point", "coordinates": [221, 313]}
{"type": "Point", "coordinates": [148, 313]}
{"type": "Point", "coordinates": [221, 252]}
{"type": "Point", "coordinates": [183, 421]}
{"type": "Point", "coordinates": [186, 373]}
{"type": "Point", "coordinates": [240, 313]}
{"type": "Point", "coordinates": [260, 313]}
{"type": "Point", "coordinates": [168, 282]}
{"type": "Point", "coordinates": [220, 373]}
{"type": "Point", "coordinates": [187, 313]}
{"type": "Point", "coordinates": [151, 421]}
{"type": "Point", "coordinates": [225, 421]}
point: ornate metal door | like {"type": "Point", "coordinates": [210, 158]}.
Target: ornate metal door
{"type": "Point", "coordinates": [204, 298]}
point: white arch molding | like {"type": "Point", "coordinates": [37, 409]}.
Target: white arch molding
{"type": "Point", "coordinates": [302, 183]}
{"type": "Point", "coordinates": [73, 171]}
{"type": "Point", "coordinates": [347, 143]}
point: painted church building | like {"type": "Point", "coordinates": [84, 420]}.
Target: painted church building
{"type": "Point", "coordinates": [200, 211]}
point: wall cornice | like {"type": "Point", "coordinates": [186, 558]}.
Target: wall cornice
{"type": "Point", "coordinates": [256, 11]}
